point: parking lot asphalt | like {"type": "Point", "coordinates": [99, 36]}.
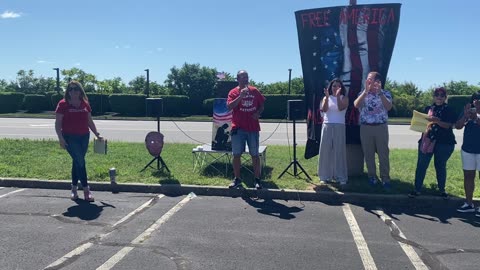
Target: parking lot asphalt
{"type": "Point", "coordinates": [43, 229]}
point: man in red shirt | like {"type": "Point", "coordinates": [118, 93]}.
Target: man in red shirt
{"type": "Point", "coordinates": [247, 105]}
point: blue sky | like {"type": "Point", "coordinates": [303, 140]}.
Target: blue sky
{"type": "Point", "coordinates": [437, 41]}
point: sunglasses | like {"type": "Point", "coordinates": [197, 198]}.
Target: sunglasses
{"type": "Point", "coordinates": [439, 95]}
{"type": "Point", "coordinates": [74, 88]}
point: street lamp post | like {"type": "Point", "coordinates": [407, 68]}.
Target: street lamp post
{"type": "Point", "coordinates": [289, 79]}
{"type": "Point", "coordinates": [58, 80]}
{"type": "Point", "coordinates": [148, 81]}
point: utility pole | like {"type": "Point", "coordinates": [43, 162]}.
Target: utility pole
{"type": "Point", "coordinates": [58, 80]}
{"type": "Point", "coordinates": [289, 79]}
{"type": "Point", "coordinates": [148, 81]}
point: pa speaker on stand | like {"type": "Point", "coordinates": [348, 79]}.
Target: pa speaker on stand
{"type": "Point", "coordinates": [154, 139]}
{"type": "Point", "coordinates": [295, 111]}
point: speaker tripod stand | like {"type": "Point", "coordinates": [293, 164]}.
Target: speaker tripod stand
{"type": "Point", "coordinates": [156, 138]}
{"type": "Point", "coordinates": [294, 162]}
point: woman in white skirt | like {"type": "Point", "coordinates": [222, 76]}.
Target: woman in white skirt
{"type": "Point", "coordinates": [332, 163]}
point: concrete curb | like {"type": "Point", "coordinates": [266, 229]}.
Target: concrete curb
{"type": "Point", "coordinates": [178, 190]}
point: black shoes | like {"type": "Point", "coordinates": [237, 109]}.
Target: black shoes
{"type": "Point", "coordinates": [414, 194]}
{"type": "Point", "coordinates": [258, 184]}
{"type": "Point", "coordinates": [236, 183]}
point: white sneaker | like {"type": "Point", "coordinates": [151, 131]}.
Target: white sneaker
{"type": "Point", "coordinates": [466, 208]}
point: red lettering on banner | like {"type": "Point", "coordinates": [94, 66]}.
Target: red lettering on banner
{"type": "Point", "coordinates": [356, 16]}
{"type": "Point", "coordinates": [348, 17]}
{"type": "Point", "coordinates": [375, 12]}
{"type": "Point", "coordinates": [316, 19]}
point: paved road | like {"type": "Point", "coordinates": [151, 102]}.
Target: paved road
{"type": "Point", "coordinates": [43, 229]}
{"type": "Point", "coordinates": [188, 132]}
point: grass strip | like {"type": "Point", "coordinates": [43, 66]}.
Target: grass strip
{"type": "Point", "coordinates": [44, 159]}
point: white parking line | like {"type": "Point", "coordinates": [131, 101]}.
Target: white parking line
{"type": "Point", "coordinates": [367, 259]}
{"type": "Point", "coordinates": [143, 236]}
{"type": "Point", "coordinates": [11, 192]}
{"type": "Point", "coordinates": [409, 250]}
{"type": "Point", "coordinates": [82, 248]}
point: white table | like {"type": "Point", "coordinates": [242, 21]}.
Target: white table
{"type": "Point", "coordinates": [204, 156]}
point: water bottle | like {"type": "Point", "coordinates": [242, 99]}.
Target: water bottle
{"type": "Point", "coordinates": [112, 172]}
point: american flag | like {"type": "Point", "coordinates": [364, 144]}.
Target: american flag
{"type": "Point", "coordinates": [221, 114]}
{"type": "Point", "coordinates": [221, 75]}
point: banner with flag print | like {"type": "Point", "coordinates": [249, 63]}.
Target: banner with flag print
{"type": "Point", "coordinates": [222, 125]}
{"type": "Point", "coordinates": [345, 42]}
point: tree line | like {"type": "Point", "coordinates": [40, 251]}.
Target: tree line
{"type": "Point", "coordinates": [198, 83]}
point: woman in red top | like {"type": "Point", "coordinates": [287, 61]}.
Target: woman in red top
{"type": "Point", "coordinates": [72, 123]}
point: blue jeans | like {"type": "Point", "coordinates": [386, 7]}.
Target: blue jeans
{"type": "Point", "coordinates": [442, 153]}
{"type": "Point", "coordinates": [77, 146]}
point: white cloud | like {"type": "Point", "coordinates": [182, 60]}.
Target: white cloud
{"type": "Point", "coordinates": [117, 47]}
{"type": "Point", "coordinates": [418, 58]}
{"type": "Point", "coordinates": [126, 47]}
{"type": "Point", "coordinates": [77, 64]}
{"type": "Point", "coordinates": [10, 15]}
{"type": "Point", "coordinates": [44, 62]}
{"type": "Point", "coordinates": [160, 49]}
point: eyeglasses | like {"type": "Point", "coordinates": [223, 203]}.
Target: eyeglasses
{"type": "Point", "coordinates": [439, 95]}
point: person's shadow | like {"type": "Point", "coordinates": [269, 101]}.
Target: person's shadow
{"type": "Point", "coordinates": [85, 210]}
{"type": "Point", "coordinates": [273, 208]}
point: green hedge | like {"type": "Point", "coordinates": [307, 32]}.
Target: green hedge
{"type": "Point", "coordinates": [10, 102]}
{"type": "Point", "coordinates": [403, 106]}
{"type": "Point", "coordinates": [128, 105]}
{"type": "Point", "coordinates": [99, 103]}
{"type": "Point", "coordinates": [53, 99]}
{"type": "Point", "coordinates": [36, 103]}
{"type": "Point", "coordinates": [275, 105]}
{"type": "Point", "coordinates": [208, 106]}
{"type": "Point", "coordinates": [175, 105]}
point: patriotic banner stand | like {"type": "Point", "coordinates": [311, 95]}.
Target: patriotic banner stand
{"type": "Point", "coordinates": [222, 126]}
{"type": "Point", "coordinates": [345, 42]}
